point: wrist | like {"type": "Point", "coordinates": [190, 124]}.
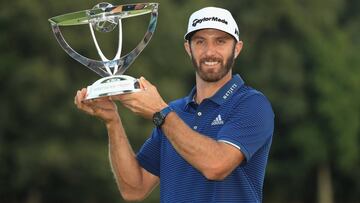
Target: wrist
{"type": "Point", "coordinates": [159, 117]}
{"type": "Point", "coordinates": [161, 107]}
{"type": "Point", "coordinates": [113, 122]}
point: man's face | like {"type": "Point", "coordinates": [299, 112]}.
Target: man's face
{"type": "Point", "coordinates": [213, 53]}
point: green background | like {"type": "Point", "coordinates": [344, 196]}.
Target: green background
{"type": "Point", "coordinates": [303, 54]}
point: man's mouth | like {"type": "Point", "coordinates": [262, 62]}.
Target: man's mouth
{"type": "Point", "coordinates": [211, 63]}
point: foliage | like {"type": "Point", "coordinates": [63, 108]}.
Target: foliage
{"type": "Point", "coordinates": [302, 54]}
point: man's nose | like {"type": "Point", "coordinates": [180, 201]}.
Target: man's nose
{"type": "Point", "coordinates": [210, 49]}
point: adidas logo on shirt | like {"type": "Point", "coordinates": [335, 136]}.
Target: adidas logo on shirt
{"type": "Point", "coordinates": [217, 121]}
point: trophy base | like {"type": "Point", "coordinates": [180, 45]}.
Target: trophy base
{"type": "Point", "coordinates": [112, 85]}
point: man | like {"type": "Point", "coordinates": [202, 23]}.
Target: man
{"type": "Point", "coordinates": [211, 146]}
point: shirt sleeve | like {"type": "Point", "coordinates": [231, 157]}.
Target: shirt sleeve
{"type": "Point", "coordinates": [250, 125]}
{"type": "Point", "coordinates": [149, 154]}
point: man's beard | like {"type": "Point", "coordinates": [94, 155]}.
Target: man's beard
{"type": "Point", "coordinates": [214, 76]}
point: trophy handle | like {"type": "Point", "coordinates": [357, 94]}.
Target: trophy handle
{"type": "Point", "coordinates": [96, 66]}
{"type": "Point", "coordinates": [129, 58]}
{"type": "Point", "coordinates": [119, 65]}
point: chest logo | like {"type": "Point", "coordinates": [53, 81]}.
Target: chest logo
{"type": "Point", "coordinates": [218, 121]}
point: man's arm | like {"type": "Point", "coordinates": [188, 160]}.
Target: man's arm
{"type": "Point", "coordinates": [134, 182]}
{"type": "Point", "coordinates": [215, 160]}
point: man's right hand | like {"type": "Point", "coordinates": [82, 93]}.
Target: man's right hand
{"type": "Point", "coordinates": [103, 108]}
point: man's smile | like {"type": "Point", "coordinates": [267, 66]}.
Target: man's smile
{"type": "Point", "coordinates": [211, 63]}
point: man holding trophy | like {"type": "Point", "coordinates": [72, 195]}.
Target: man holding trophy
{"type": "Point", "coordinates": [210, 146]}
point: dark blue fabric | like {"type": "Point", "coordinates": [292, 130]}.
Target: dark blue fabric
{"type": "Point", "coordinates": [237, 115]}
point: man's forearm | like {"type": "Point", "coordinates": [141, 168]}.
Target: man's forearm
{"type": "Point", "coordinates": [215, 160]}
{"type": "Point", "coordinates": [125, 167]}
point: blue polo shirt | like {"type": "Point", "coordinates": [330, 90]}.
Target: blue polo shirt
{"type": "Point", "coordinates": [237, 115]}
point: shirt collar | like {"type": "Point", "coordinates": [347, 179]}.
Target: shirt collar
{"type": "Point", "coordinates": [227, 91]}
{"type": "Point", "coordinates": [223, 94]}
{"type": "Point", "coordinates": [190, 98]}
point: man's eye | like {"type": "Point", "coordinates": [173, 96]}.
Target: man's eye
{"type": "Point", "coordinates": [199, 42]}
{"type": "Point", "coordinates": [221, 41]}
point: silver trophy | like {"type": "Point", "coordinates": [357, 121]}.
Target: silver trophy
{"type": "Point", "coordinates": [104, 17]}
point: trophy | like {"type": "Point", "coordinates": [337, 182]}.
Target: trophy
{"type": "Point", "coordinates": [104, 17]}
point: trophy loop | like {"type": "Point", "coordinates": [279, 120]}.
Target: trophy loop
{"type": "Point", "coordinates": [106, 26]}
{"type": "Point", "coordinates": [108, 14]}
{"type": "Point", "coordinates": [104, 17]}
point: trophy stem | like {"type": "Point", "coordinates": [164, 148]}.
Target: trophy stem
{"type": "Point", "coordinates": [118, 53]}
{"type": "Point", "coordinates": [102, 56]}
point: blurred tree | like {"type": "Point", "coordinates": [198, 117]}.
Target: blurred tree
{"type": "Point", "coordinates": [302, 54]}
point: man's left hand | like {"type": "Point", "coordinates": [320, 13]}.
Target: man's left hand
{"type": "Point", "coordinates": [145, 103]}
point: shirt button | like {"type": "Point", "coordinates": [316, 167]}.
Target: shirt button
{"type": "Point", "coordinates": [199, 113]}
{"type": "Point", "coordinates": [195, 127]}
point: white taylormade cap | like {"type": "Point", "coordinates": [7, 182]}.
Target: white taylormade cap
{"type": "Point", "coordinates": [212, 17]}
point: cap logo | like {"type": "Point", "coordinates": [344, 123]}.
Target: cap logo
{"type": "Point", "coordinates": [237, 32]}
{"type": "Point", "coordinates": [216, 19]}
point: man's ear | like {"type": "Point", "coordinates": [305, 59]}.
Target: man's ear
{"type": "Point", "coordinates": [238, 48]}
{"type": "Point", "coordinates": [187, 47]}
